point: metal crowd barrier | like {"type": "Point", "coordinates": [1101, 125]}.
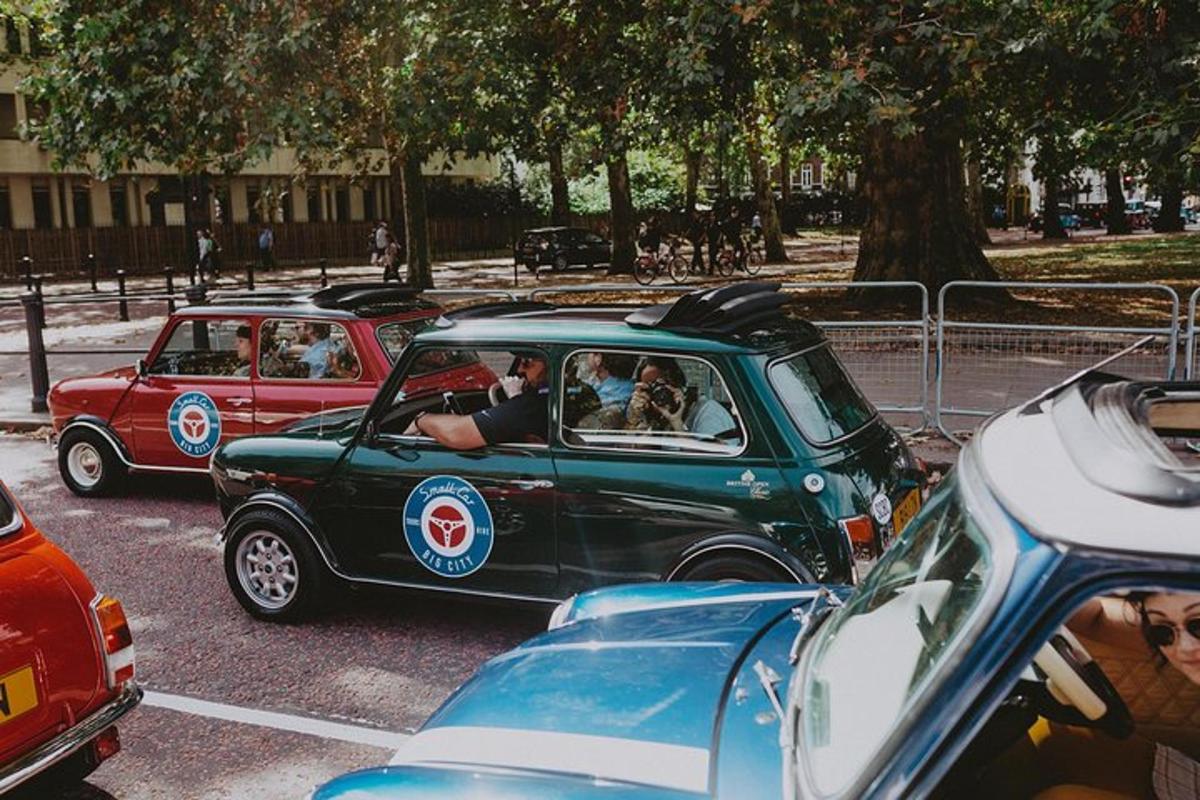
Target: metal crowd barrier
{"type": "Point", "coordinates": [1191, 370]}
{"type": "Point", "coordinates": [1011, 362]}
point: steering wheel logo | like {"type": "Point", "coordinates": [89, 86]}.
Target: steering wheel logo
{"type": "Point", "coordinates": [194, 424]}
{"type": "Point", "coordinates": [448, 526]}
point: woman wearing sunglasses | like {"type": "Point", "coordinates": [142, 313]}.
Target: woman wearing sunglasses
{"type": "Point", "coordinates": [1087, 765]}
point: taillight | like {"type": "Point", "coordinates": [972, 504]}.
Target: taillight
{"type": "Point", "coordinates": [116, 640]}
{"type": "Point", "coordinates": [863, 541]}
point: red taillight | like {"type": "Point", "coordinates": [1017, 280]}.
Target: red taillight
{"type": "Point", "coordinates": [107, 744]}
{"type": "Point", "coordinates": [116, 640]}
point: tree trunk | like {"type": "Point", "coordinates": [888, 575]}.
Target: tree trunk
{"type": "Point", "coordinates": [722, 173]}
{"type": "Point", "coordinates": [416, 225]}
{"type": "Point", "coordinates": [396, 201]}
{"type": "Point", "coordinates": [1171, 194]}
{"type": "Point", "coordinates": [976, 213]}
{"type": "Point", "coordinates": [1114, 212]}
{"type": "Point", "coordinates": [1051, 223]}
{"type": "Point", "coordinates": [764, 198]}
{"type": "Point", "coordinates": [621, 226]}
{"type": "Point", "coordinates": [785, 169]}
{"type": "Point", "coordinates": [691, 159]}
{"type": "Point", "coordinates": [916, 226]}
{"type": "Point", "coordinates": [560, 201]}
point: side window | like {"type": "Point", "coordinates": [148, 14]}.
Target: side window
{"type": "Point", "coordinates": [395, 336]}
{"type": "Point", "coordinates": [306, 350]}
{"type": "Point", "coordinates": [644, 401]}
{"type": "Point", "coordinates": [213, 347]}
{"type": "Point", "coordinates": [440, 359]}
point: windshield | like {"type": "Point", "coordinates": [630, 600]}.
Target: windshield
{"type": "Point", "coordinates": [915, 606]}
{"type": "Point", "coordinates": [819, 395]}
{"type": "Point", "coordinates": [395, 336]}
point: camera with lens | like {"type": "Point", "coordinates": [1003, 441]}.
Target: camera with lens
{"type": "Point", "coordinates": [662, 394]}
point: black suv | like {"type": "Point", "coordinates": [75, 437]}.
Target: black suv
{"type": "Point", "coordinates": [559, 248]}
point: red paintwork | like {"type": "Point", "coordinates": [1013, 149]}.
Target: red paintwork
{"type": "Point", "coordinates": [135, 410]}
{"type": "Point", "coordinates": [45, 623]}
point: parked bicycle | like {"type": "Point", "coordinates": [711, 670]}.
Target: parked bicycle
{"type": "Point", "coordinates": [666, 261]}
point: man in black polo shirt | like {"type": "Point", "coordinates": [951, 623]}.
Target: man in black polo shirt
{"type": "Point", "coordinates": [523, 417]}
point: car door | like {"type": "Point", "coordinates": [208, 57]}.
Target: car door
{"type": "Point", "coordinates": [288, 388]}
{"type": "Point", "coordinates": [196, 394]}
{"type": "Point", "coordinates": [596, 248]}
{"type": "Point", "coordinates": [407, 509]}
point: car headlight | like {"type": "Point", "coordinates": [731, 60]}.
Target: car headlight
{"type": "Point", "coordinates": [561, 612]}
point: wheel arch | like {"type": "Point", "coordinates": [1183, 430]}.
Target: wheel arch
{"type": "Point", "coordinates": [100, 426]}
{"type": "Point", "coordinates": [277, 501]}
{"type": "Point", "coordinates": [741, 544]}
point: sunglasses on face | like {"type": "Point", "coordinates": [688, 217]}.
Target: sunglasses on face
{"type": "Point", "coordinates": [1161, 634]}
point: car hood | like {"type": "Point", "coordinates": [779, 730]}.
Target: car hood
{"type": "Point", "coordinates": [328, 424]}
{"type": "Point", "coordinates": [633, 697]}
{"type": "Point", "coordinates": [91, 394]}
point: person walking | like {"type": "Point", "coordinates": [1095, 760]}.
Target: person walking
{"type": "Point", "coordinates": [383, 237]}
{"type": "Point", "coordinates": [695, 235]}
{"type": "Point", "coordinates": [714, 240]}
{"type": "Point", "coordinates": [266, 247]}
{"type": "Point", "coordinates": [204, 253]}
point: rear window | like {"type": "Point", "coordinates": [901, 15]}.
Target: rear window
{"type": "Point", "coordinates": [819, 396]}
{"type": "Point", "coordinates": [395, 336]}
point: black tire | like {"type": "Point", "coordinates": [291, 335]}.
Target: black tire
{"type": "Point", "coordinates": [755, 258]}
{"type": "Point", "coordinates": [678, 269]}
{"type": "Point", "coordinates": [736, 568]}
{"type": "Point", "coordinates": [560, 263]}
{"type": "Point", "coordinates": [88, 464]}
{"type": "Point", "coordinates": [309, 574]}
{"type": "Point", "coordinates": [644, 271]}
{"type": "Point", "coordinates": [725, 264]}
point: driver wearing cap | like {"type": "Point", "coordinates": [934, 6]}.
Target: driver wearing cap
{"type": "Point", "coordinates": [523, 417]}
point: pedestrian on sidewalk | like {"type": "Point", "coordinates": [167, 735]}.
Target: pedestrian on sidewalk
{"type": "Point", "coordinates": [695, 235]}
{"type": "Point", "coordinates": [381, 238]}
{"type": "Point", "coordinates": [266, 247]}
{"type": "Point", "coordinates": [204, 248]}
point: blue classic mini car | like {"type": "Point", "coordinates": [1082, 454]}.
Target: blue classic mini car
{"type": "Point", "coordinates": [962, 665]}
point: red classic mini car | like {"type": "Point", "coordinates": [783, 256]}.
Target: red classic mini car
{"type": "Point", "coordinates": [232, 367]}
{"type": "Point", "coordinates": [66, 660]}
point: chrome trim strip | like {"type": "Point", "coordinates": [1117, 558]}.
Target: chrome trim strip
{"type": "Point", "coordinates": [120, 451]}
{"type": "Point", "coordinates": [223, 535]}
{"type": "Point", "coordinates": [733, 546]}
{"type": "Point", "coordinates": [70, 740]}
{"type": "Point", "coordinates": [601, 758]}
{"type": "Point", "coordinates": [579, 615]}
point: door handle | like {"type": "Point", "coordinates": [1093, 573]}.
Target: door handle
{"type": "Point", "coordinates": [238, 402]}
{"type": "Point", "coordinates": [530, 485]}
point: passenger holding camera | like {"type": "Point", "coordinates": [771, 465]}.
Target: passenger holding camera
{"type": "Point", "coordinates": [661, 402]}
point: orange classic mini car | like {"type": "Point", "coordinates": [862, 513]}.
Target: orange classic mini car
{"type": "Point", "coordinates": [234, 366]}
{"type": "Point", "coordinates": [66, 661]}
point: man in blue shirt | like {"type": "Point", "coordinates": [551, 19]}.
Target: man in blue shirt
{"type": "Point", "coordinates": [317, 354]}
{"type": "Point", "coordinates": [610, 378]}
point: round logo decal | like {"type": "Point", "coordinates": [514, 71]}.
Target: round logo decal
{"type": "Point", "coordinates": [448, 526]}
{"type": "Point", "coordinates": [194, 424]}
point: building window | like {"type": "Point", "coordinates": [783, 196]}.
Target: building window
{"type": "Point", "coordinates": [341, 199]}
{"type": "Point", "coordinates": [12, 36]}
{"type": "Point", "coordinates": [253, 197]}
{"type": "Point", "coordinates": [314, 204]}
{"type": "Point", "coordinates": [81, 204]}
{"type": "Point", "coordinates": [369, 210]}
{"type": "Point", "coordinates": [806, 176]}
{"type": "Point", "coordinates": [120, 208]}
{"type": "Point", "coordinates": [5, 208]}
{"type": "Point", "coordinates": [285, 204]}
{"type": "Point", "coordinates": [8, 116]}
{"type": "Point", "coordinates": [43, 209]}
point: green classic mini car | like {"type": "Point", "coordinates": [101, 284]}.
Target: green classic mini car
{"type": "Point", "coordinates": [714, 438]}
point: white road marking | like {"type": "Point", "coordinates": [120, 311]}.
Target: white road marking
{"type": "Point", "coordinates": [355, 734]}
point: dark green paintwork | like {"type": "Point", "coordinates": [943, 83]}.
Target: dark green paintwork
{"type": "Point", "coordinates": [612, 516]}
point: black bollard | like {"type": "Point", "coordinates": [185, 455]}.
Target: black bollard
{"type": "Point", "coordinates": [27, 269]}
{"type": "Point", "coordinates": [37, 289]}
{"type": "Point", "coordinates": [250, 276]}
{"type": "Point", "coordinates": [192, 274]}
{"type": "Point", "coordinates": [39, 375]}
{"type": "Point", "coordinates": [196, 295]}
{"type": "Point", "coordinates": [91, 267]}
{"type": "Point", "coordinates": [324, 272]}
{"type": "Point", "coordinates": [123, 305]}
{"type": "Point", "coordinates": [170, 275]}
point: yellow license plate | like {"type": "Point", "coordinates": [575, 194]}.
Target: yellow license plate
{"type": "Point", "coordinates": [18, 694]}
{"type": "Point", "coordinates": [907, 509]}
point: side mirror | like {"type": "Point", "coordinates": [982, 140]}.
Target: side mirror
{"type": "Point", "coordinates": [142, 370]}
{"type": "Point", "coordinates": [371, 435]}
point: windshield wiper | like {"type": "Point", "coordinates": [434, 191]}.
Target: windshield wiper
{"type": "Point", "coordinates": [811, 620]}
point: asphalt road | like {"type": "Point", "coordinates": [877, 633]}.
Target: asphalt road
{"type": "Point", "coordinates": [342, 690]}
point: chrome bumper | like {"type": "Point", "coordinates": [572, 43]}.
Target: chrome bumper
{"type": "Point", "coordinates": [70, 740]}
